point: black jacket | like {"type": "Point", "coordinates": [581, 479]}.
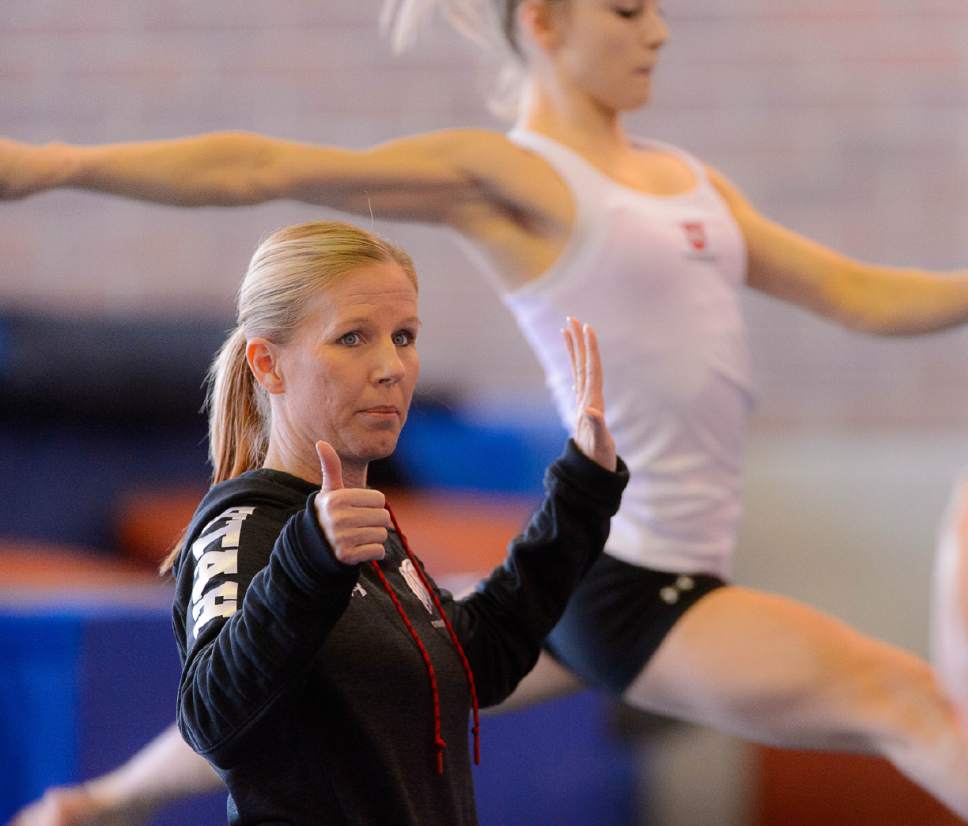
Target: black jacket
{"type": "Point", "coordinates": [301, 683]}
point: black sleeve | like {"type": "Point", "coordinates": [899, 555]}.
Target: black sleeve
{"type": "Point", "coordinates": [503, 623]}
{"type": "Point", "coordinates": [253, 625]}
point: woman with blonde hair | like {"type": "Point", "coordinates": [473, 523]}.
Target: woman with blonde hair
{"type": "Point", "coordinates": [325, 676]}
{"type": "Point", "coordinates": [568, 211]}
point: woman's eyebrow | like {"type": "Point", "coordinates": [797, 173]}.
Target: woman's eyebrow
{"type": "Point", "coordinates": [363, 320]}
{"type": "Point", "coordinates": [358, 320]}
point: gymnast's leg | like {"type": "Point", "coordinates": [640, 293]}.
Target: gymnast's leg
{"type": "Point", "coordinates": [949, 606]}
{"type": "Point", "coordinates": [775, 671]}
{"type": "Point", "coordinates": [548, 680]}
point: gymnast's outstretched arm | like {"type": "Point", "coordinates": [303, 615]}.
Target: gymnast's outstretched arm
{"type": "Point", "coordinates": [863, 297]}
{"type": "Point", "coordinates": [419, 178]}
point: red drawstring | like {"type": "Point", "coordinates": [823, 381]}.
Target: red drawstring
{"type": "Point", "coordinates": [476, 729]}
{"type": "Point", "coordinates": [439, 742]}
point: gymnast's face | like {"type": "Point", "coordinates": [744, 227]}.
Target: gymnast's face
{"type": "Point", "coordinates": [349, 372]}
{"type": "Point", "coordinates": [606, 49]}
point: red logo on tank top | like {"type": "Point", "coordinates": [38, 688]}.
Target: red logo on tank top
{"type": "Point", "coordinates": [695, 235]}
{"type": "Point", "coordinates": [698, 241]}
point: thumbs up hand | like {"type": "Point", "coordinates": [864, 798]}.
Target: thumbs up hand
{"type": "Point", "coordinates": [354, 520]}
{"type": "Point", "coordinates": [591, 433]}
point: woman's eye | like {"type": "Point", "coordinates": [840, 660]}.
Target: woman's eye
{"type": "Point", "coordinates": [628, 14]}
{"type": "Point", "coordinates": [403, 338]}
{"type": "Point", "coordinates": [350, 339]}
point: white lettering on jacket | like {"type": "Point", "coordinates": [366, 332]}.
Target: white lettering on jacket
{"type": "Point", "coordinates": [217, 554]}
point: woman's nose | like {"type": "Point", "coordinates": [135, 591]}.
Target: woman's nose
{"type": "Point", "coordinates": [656, 31]}
{"type": "Point", "coordinates": [388, 368]}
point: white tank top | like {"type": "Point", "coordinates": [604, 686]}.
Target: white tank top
{"type": "Point", "coordinates": [658, 277]}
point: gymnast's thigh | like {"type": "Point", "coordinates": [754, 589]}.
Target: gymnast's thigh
{"type": "Point", "coordinates": [772, 669]}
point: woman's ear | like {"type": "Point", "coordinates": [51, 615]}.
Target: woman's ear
{"type": "Point", "coordinates": [540, 22]}
{"type": "Point", "coordinates": [263, 358]}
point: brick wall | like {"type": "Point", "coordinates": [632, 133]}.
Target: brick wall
{"type": "Point", "coordinates": [844, 119]}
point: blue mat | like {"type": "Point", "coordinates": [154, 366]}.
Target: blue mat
{"type": "Point", "coordinates": [84, 685]}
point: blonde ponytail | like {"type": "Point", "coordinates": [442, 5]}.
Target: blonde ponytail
{"type": "Point", "coordinates": [237, 413]}
{"type": "Point", "coordinates": [489, 24]}
{"type": "Point", "coordinates": [290, 267]}
{"type": "Point", "coordinates": [477, 20]}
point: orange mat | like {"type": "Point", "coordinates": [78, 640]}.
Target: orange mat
{"type": "Point", "coordinates": [28, 564]}
{"type": "Point", "coordinates": [450, 532]}
{"type": "Point", "coordinates": [807, 788]}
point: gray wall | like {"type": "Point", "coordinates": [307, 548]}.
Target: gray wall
{"type": "Point", "coordinates": [847, 522]}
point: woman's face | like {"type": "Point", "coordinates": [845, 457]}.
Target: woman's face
{"type": "Point", "coordinates": [609, 48]}
{"type": "Point", "coordinates": [350, 370]}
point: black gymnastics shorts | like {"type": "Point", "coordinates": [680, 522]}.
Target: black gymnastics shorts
{"type": "Point", "coordinates": [618, 617]}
